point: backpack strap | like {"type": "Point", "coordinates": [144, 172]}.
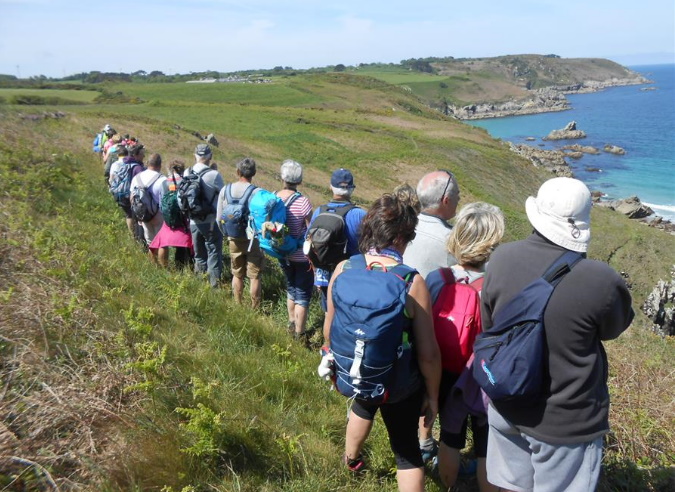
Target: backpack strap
{"type": "Point", "coordinates": [246, 196]}
{"type": "Point", "coordinates": [228, 193]}
{"type": "Point", "coordinates": [289, 201]}
{"type": "Point", "coordinates": [561, 267]}
{"type": "Point", "coordinates": [152, 182]}
{"type": "Point", "coordinates": [342, 210]}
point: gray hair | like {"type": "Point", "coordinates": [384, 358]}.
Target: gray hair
{"type": "Point", "coordinates": [203, 158]}
{"type": "Point", "coordinates": [479, 227]}
{"type": "Point", "coordinates": [431, 191]}
{"type": "Point", "coordinates": [246, 168]}
{"type": "Point", "coordinates": [291, 172]}
{"type": "Point", "coordinates": [346, 192]}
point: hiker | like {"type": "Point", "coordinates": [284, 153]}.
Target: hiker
{"type": "Point", "coordinates": [101, 138]}
{"type": "Point", "coordinates": [121, 175]}
{"type": "Point", "coordinates": [385, 232]}
{"type": "Point", "coordinates": [554, 442]}
{"type": "Point", "coordinates": [342, 186]}
{"type": "Point", "coordinates": [479, 227]}
{"type": "Point", "coordinates": [111, 155]}
{"type": "Point", "coordinates": [175, 232]}
{"type": "Point", "coordinates": [207, 239]}
{"type": "Point", "coordinates": [153, 180]}
{"type": "Point", "coordinates": [246, 258]}
{"type": "Point", "coordinates": [407, 194]}
{"type": "Point", "coordinates": [121, 152]}
{"type": "Point", "coordinates": [438, 194]}
{"type": "Point", "coordinates": [296, 267]}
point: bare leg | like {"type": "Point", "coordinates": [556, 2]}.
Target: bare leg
{"type": "Point", "coordinates": [153, 254]}
{"type": "Point", "coordinates": [448, 464]}
{"type": "Point", "coordinates": [357, 432]}
{"type": "Point", "coordinates": [256, 292]}
{"type": "Point", "coordinates": [300, 316]}
{"type": "Point", "coordinates": [163, 257]}
{"type": "Point", "coordinates": [290, 307]}
{"type": "Point", "coordinates": [411, 480]}
{"type": "Point", "coordinates": [237, 288]}
{"type": "Point", "coordinates": [131, 225]}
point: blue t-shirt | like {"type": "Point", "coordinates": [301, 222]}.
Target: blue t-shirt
{"type": "Point", "coordinates": [353, 222]}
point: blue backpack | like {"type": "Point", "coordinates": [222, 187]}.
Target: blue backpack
{"type": "Point", "coordinates": [509, 356]}
{"type": "Point", "coordinates": [120, 186]}
{"type": "Point", "coordinates": [369, 335]}
{"type": "Point", "coordinates": [97, 145]}
{"type": "Point", "coordinates": [234, 217]}
{"type": "Point", "coordinates": [267, 220]}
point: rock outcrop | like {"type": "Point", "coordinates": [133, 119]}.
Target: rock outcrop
{"type": "Point", "coordinates": [553, 160]}
{"type": "Point", "coordinates": [613, 149]}
{"type": "Point", "coordinates": [569, 132]}
{"type": "Point", "coordinates": [631, 207]}
{"type": "Point", "coordinates": [660, 306]}
{"type": "Point", "coordinates": [586, 149]}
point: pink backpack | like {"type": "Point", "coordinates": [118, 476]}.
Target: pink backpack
{"type": "Point", "coordinates": [456, 315]}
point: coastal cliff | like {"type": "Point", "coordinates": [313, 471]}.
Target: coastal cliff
{"type": "Point", "coordinates": [526, 84]}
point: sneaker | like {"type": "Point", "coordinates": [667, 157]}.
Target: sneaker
{"type": "Point", "coordinates": [429, 451]}
{"type": "Point", "coordinates": [468, 468]}
{"type": "Point", "coordinates": [356, 465]}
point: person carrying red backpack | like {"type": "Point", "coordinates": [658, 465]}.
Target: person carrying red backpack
{"type": "Point", "coordinates": [455, 293]}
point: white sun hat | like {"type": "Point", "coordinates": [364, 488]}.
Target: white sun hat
{"type": "Point", "coordinates": [561, 212]}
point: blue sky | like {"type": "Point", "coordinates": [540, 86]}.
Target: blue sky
{"type": "Point", "coordinates": [62, 37]}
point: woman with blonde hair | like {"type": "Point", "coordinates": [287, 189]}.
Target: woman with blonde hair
{"type": "Point", "coordinates": [479, 227]}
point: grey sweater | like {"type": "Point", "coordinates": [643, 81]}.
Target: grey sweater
{"type": "Point", "coordinates": [591, 304]}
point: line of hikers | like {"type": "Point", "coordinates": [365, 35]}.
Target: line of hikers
{"type": "Point", "coordinates": [423, 319]}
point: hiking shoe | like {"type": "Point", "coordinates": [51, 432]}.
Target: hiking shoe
{"type": "Point", "coordinates": [429, 451]}
{"type": "Point", "coordinates": [302, 338]}
{"type": "Point", "coordinates": [356, 465]}
{"type": "Point", "coordinates": [290, 328]}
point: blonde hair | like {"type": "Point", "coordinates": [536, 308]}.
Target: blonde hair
{"type": "Point", "coordinates": [479, 227]}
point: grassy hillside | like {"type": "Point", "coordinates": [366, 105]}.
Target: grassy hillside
{"type": "Point", "coordinates": [119, 376]}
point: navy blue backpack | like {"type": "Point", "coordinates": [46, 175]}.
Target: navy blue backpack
{"type": "Point", "coordinates": [509, 356]}
{"type": "Point", "coordinates": [368, 336]}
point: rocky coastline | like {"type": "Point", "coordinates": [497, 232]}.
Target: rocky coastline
{"type": "Point", "coordinates": [544, 100]}
{"type": "Point", "coordinates": [555, 162]}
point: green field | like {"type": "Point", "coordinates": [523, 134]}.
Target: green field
{"type": "Point", "coordinates": [81, 96]}
{"type": "Point", "coordinates": [120, 376]}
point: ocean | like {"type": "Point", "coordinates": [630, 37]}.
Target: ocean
{"type": "Point", "coordinates": [640, 121]}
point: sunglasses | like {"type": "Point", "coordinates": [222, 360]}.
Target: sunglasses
{"type": "Point", "coordinates": [450, 178]}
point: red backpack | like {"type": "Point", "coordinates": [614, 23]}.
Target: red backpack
{"type": "Point", "coordinates": [456, 315]}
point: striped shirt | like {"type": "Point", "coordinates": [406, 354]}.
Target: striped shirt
{"type": "Point", "coordinates": [295, 221]}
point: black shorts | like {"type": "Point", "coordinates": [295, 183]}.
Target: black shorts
{"type": "Point", "coordinates": [401, 419]}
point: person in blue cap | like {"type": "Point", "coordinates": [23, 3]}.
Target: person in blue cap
{"type": "Point", "coordinates": [342, 186]}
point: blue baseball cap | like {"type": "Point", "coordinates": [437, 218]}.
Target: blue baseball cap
{"type": "Point", "coordinates": [342, 178]}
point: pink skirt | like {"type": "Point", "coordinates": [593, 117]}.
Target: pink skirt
{"type": "Point", "coordinates": [176, 238]}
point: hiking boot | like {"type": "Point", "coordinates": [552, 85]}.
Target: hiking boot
{"type": "Point", "coordinates": [302, 338]}
{"type": "Point", "coordinates": [429, 450]}
{"type": "Point", "coordinates": [356, 465]}
{"type": "Point", "coordinates": [290, 328]}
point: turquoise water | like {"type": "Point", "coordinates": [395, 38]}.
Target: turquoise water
{"type": "Point", "coordinates": [641, 122]}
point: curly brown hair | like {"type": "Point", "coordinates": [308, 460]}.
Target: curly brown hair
{"type": "Point", "coordinates": [388, 221]}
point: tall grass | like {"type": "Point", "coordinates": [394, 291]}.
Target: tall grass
{"type": "Point", "coordinates": [121, 376]}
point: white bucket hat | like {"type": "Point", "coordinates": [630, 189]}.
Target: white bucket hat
{"type": "Point", "coordinates": [561, 213]}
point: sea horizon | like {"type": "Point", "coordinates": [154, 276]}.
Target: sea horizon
{"type": "Point", "coordinates": [637, 118]}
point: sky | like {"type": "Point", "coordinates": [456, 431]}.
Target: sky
{"type": "Point", "coordinates": [56, 38]}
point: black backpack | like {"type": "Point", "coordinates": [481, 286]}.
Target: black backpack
{"type": "Point", "coordinates": [234, 218]}
{"type": "Point", "coordinates": [327, 237]}
{"type": "Point", "coordinates": [143, 204]}
{"type": "Point", "coordinates": [191, 197]}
